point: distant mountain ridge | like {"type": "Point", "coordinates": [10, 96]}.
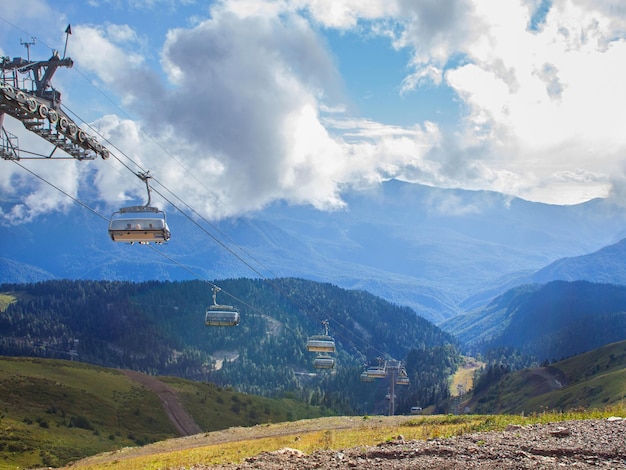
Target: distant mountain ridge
{"type": "Point", "coordinates": [607, 265]}
{"type": "Point", "coordinates": [438, 251]}
{"type": "Point", "coordinates": [548, 322]}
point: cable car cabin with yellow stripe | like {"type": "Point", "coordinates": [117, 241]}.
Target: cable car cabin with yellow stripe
{"type": "Point", "coordinates": [139, 224]}
{"type": "Point", "coordinates": [221, 315]}
{"type": "Point", "coordinates": [321, 343]}
{"type": "Point", "coordinates": [323, 361]}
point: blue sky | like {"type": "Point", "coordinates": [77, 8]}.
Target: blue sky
{"type": "Point", "coordinates": [235, 104]}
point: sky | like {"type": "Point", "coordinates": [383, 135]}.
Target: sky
{"type": "Point", "coordinates": [233, 105]}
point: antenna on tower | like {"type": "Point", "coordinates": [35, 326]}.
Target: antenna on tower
{"type": "Point", "coordinates": [27, 45]}
{"type": "Point", "coordinates": [68, 32]}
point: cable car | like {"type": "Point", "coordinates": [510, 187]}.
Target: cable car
{"type": "Point", "coordinates": [321, 343]}
{"type": "Point", "coordinates": [403, 378]}
{"type": "Point", "coordinates": [220, 315]}
{"type": "Point", "coordinates": [365, 377]}
{"type": "Point", "coordinates": [376, 372]}
{"type": "Point", "coordinates": [324, 361]}
{"type": "Point", "coordinates": [141, 224]}
{"type": "Point", "coordinates": [403, 381]}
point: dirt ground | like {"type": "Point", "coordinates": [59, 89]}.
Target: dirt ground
{"type": "Point", "coordinates": [571, 444]}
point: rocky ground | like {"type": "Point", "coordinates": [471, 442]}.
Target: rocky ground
{"type": "Point", "coordinates": [570, 444]}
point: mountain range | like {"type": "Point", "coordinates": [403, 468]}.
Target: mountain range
{"type": "Point", "coordinates": [441, 252]}
{"type": "Point", "coordinates": [546, 321]}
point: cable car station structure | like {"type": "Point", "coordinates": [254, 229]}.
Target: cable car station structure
{"type": "Point", "coordinates": [26, 94]}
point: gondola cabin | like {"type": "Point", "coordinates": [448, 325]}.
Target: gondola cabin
{"type": "Point", "coordinates": [321, 343]}
{"type": "Point", "coordinates": [324, 362]}
{"type": "Point", "coordinates": [376, 372]}
{"type": "Point", "coordinates": [365, 377]}
{"type": "Point", "coordinates": [403, 381]}
{"type": "Point", "coordinates": [139, 224]}
{"type": "Point", "coordinates": [220, 315]}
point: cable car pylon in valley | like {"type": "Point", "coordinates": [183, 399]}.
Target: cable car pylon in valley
{"type": "Point", "coordinates": [141, 224]}
{"type": "Point", "coordinates": [26, 94]}
{"type": "Point", "coordinates": [387, 368]}
{"type": "Point", "coordinates": [220, 315]}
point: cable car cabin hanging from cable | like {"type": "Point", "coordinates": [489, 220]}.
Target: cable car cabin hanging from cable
{"type": "Point", "coordinates": [139, 224]}
{"type": "Point", "coordinates": [376, 372]}
{"type": "Point", "coordinates": [321, 343]}
{"type": "Point", "coordinates": [365, 377]}
{"type": "Point", "coordinates": [403, 381]}
{"type": "Point", "coordinates": [324, 361]}
{"type": "Point", "coordinates": [220, 315]}
{"type": "Point", "coordinates": [403, 378]}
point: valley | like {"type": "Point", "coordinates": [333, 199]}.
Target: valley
{"type": "Point", "coordinates": [476, 337]}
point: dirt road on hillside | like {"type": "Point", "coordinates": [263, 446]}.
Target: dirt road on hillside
{"type": "Point", "coordinates": [184, 423]}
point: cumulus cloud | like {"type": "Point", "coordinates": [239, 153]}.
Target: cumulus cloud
{"type": "Point", "coordinates": [247, 105]}
{"type": "Point", "coordinates": [540, 101]}
{"type": "Point", "coordinates": [27, 185]}
{"type": "Point", "coordinates": [246, 111]}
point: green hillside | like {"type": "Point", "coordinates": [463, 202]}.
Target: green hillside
{"type": "Point", "coordinates": [590, 380]}
{"type": "Point", "coordinates": [56, 411]}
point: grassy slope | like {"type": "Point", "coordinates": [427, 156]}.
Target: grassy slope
{"type": "Point", "coordinates": [590, 380]}
{"type": "Point", "coordinates": [214, 408]}
{"type": "Point", "coordinates": [463, 378]}
{"type": "Point", "coordinates": [55, 411]}
{"type": "Point", "coordinates": [5, 300]}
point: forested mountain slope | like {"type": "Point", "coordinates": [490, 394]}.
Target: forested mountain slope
{"type": "Point", "coordinates": [158, 327]}
{"type": "Point", "coordinates": [547, 322]}
{"type": "Point", "coordinates": [607, 265]}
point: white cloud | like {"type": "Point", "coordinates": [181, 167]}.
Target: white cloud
{"type": "Point", "coordinates": [539, 103]}
{"type": "Point", "coordinates": [28, 184]}
{"type": "Point", "coordinates": [248, 106]}
{"type": "Point", "coordinates": [98, 49]}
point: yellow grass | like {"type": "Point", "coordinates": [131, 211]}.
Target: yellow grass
{"type": "Point", "coordinates": [463, 379]}
{"type": "Point", "coordinates": [308, 436]}
{"type": "Point", "coordinates": [5, 301]}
